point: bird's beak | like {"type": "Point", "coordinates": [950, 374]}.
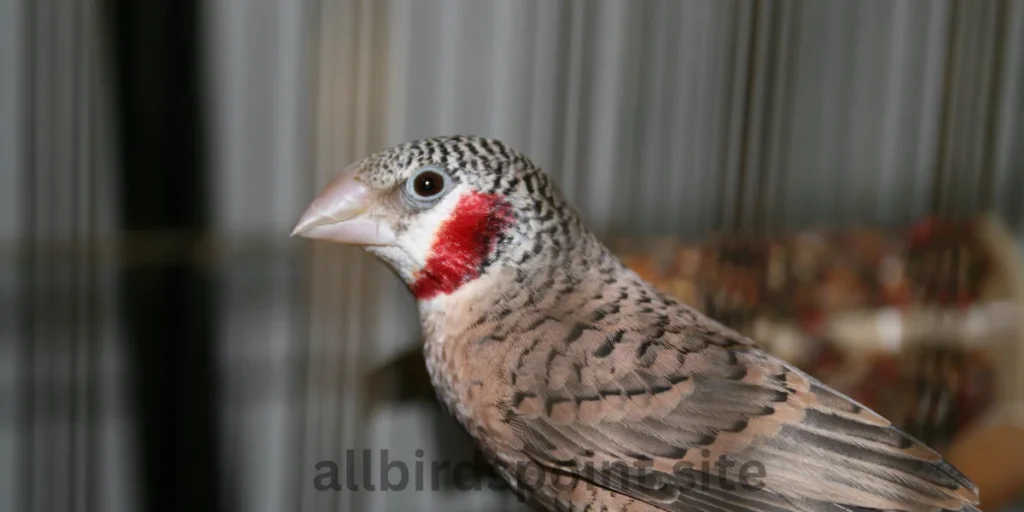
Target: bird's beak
{"type": "Point", "coordinates": [338, 214]}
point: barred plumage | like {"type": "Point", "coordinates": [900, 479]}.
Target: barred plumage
{"type": "Point", "coordinates": [563, 363]}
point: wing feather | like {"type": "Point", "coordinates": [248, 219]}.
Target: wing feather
{"type": "Point", "coordinates": [680, 403]}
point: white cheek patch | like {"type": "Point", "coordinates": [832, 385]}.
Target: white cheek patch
{"type": "Point", "coordinates": [418, 238]}
{"type": "Point", "coordinates": [397, 258]}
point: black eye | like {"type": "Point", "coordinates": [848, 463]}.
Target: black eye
{"type": "Point", "coordinates": [427, 186]}
{"type": "Point", "coordinates": [428, 183]}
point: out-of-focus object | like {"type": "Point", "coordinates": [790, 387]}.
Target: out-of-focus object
{"type": "Point", "coordinates": [989, 450]}
{"type": "Point", "coordinates": [923, 325]}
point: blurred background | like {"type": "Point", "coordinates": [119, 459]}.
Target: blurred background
{"type": "Point", "coordinates": [165, 346]}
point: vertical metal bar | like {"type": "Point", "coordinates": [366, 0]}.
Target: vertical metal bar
{"type": "Point", "coordinates": [306, 386]}
{"type": "Point", "coordinates": [89, 315]}
{"type": "Point", "coordinates": [783, 123]}
{"type": "Point", "coordinates": [724, 136]}
{"type": "Point", "coordinates": [994, 99]}
{"type": "Point", "coordinates": [750, 81]}
{"type": "Point", "coordinates": [965, 120]}
{"type": "Point", "coordinates": [91, 311]}
{"type": "Point", "coordinates": [27, 264]}
{"type": "Point", "coordinates": [167, 305]}
{"type": "Point", "coordinates": [942, 173]}
{"type": "Point", "coordinates": [766, 151]}
{"type": "Point", "coordinates": [74, 287]}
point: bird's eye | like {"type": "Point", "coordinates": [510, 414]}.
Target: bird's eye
{"type": "Point", "coordinates": [427, 185]}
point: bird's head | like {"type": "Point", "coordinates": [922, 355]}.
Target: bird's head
{"type": "Point", "coordinates": [444, 211]}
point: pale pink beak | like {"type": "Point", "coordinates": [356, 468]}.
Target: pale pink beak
{"type": "Point", "coordinates": [338, 214]}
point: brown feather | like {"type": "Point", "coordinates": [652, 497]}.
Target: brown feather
{"type": "Point", "coordinates": [558, 359]}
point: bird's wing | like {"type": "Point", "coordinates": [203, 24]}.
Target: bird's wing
{"type": "Point", "coordinates": [676, 399]}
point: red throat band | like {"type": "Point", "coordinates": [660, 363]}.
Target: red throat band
{"type": "Point", "coordinates": [462, 243]}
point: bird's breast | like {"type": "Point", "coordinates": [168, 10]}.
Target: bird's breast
{"type": "Point", "coordinates": [471, 379]}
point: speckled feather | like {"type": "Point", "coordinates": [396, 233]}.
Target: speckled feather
{"type": "Point", "coordinates": [558, 359]}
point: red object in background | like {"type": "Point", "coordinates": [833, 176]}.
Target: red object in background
{"type": "Point", "coordinates": [922, 232]}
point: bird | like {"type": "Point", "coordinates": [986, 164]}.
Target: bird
{"type": "Point", "coordinates": [587, 388]}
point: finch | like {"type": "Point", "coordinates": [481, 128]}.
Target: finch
{"type": "Point", "coordinates": [586, 387]}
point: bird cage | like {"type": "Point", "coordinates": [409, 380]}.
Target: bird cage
{"type": "Point", "coordinates": [169, 347]}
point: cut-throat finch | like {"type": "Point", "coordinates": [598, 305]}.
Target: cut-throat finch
{"type": "Point", "coordinates": [586, 387]}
